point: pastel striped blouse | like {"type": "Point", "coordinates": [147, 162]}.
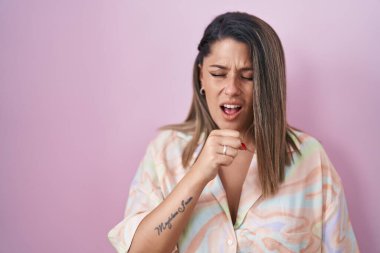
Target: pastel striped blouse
{"type": "Point", "coordinates": [308, 214]}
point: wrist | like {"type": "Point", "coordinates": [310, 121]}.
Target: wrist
{"type": "Point", "coordinates": [198, 177]}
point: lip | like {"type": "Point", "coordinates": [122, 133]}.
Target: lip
{"type": "Point", "coordinates": [231, 103]}
{"type": "Point", "coordinates": [227, 116]}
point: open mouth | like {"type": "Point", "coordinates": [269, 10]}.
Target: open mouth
{"type": "Point", "coordinates": [230, 110]}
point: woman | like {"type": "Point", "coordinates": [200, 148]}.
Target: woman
{"type": "Point", "coordinates": [235, 177]}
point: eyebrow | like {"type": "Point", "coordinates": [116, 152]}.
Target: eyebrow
{"type": "Point", "coordinates": [224, 67]}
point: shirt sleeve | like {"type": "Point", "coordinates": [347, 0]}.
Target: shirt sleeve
{"type": "Point", "coordinates": [337, 231]}
{"type": "Point", "coordinates": [144, 195]}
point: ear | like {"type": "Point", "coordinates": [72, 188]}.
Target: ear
{"type": "Point", "coordinates": [200, 71]}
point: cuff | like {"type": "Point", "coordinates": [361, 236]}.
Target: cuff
{"type": "Point", "coordinates": [122, 234]}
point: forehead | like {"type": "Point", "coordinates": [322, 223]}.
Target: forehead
{"type": "Point", "coordinates": [229, 52]}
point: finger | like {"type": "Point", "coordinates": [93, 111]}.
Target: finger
{"type": "Point", "coordinates": [224, 160]}
{"type": "Point", "coordinates": [227, 151]}
{"type": "Point", "coordinates": [232, 142]}
{"type": "Point", "coordinates": [225, 132]}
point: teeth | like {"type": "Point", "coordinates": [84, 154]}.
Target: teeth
{"type": "Point", "coordinates": [232, 106]}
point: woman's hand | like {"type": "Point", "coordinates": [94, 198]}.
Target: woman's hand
{"type": "Point", "coordinates": [212, 157]}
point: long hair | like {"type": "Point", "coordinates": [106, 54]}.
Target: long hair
{"type": "Point", "coordinates": [269, 129]}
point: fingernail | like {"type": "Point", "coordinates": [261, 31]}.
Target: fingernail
{"type": "Point", "coordinates": [243, 146]}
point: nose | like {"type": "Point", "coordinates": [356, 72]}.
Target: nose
{"type": "Point", "coordinates": [232, 87]}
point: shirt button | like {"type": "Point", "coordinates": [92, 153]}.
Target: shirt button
{"type": "Point", "coordinates": [230, 242]}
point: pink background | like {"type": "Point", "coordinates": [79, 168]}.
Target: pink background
{"type": "Point", "coordinates": [85, 84]}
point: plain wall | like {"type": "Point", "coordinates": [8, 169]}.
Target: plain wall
{"type": "Point", "coordinates": [85, 84]}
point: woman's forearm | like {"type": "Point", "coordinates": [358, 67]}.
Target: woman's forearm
{"type": "Point", "coordinates": [159, 231]}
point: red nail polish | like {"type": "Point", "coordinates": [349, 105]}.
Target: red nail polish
{"type": "Point", "coordinates": [243, 146]}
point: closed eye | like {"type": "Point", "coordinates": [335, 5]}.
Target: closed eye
{"type": "Point", "coordinates": [217, 75]}
{"type": "Point", "coordinates": [223, 75]}
{"type": "Point", "coordinates": [247, 78]}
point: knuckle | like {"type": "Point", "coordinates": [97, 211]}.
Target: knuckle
{"type": "Point", "coordinates": [235, 133]}
{"type": "Point", "coordinates": [212, 137]}
{"type": "Point", "coordinates": [229, 160]}
{"type": "Point", "coordinates": [215, 131]}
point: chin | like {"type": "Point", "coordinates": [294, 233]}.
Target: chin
{"type": "Point", "coordinates": [231, 126]}
{"type": "Point", "coordinates": [237, 122]}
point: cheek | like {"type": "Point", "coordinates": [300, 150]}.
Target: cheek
{"type": "Point", "coordinates": [212, 103]}
{"type": "Point", "coordinates": [212, 84]}
{"type": "Point", "coordinates": [212, 94]}
{"type": "Point", "coordinates": [249, 100]}
{"type": "Point", "coordinates": [249, 95]}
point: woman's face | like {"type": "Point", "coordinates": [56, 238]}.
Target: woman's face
{"type": "Point", "coordinates": [226, 76]}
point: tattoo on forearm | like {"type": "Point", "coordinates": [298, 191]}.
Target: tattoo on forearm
{"type": "Point", "coordinates": [168, 224]}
